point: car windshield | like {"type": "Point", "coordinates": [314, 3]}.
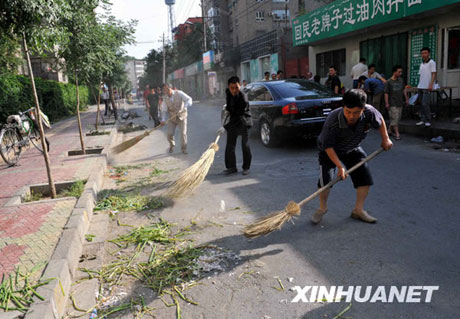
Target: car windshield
{"type": "Point", "coordinates": [302, 89]}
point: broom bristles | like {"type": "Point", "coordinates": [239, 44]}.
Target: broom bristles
{"type": "Point", "coordinates": [192, 177]}
{"type": "Point", "coordinates": [272, 222]}
{"type": "Point", "coordinates": [128, 143]}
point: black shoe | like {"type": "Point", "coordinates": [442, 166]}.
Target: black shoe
{"type": "Point", "coordinates": [245, 172]}
{"type": "Point", "coordinates": [230, 171]}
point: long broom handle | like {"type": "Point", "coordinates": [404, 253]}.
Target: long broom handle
{"type": "Point", "coordinates": [157, 127]}
{"type": "Point", "coordinates": [338, 179]}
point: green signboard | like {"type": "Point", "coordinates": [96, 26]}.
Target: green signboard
{"type": "Point", "coordinates": [343, 16]}
{"type": "Point", "coordinates": [419, 38]}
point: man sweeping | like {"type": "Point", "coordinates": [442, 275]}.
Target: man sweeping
{"type": "Point", "coordinates": [238, 123]}
{"type": "Point", "coordinates": [339, 148]}
{"type": "Point", "coordinates": [175, 103]}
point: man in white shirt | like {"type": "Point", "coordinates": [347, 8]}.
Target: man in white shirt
{"type": "Point", "coordinates": [175, 103]}
{"type": "Point", "coordinates": [357, 71]}
{"type": "Point", "coordinates": [372, 74]}
{"type": "Point", "coordinates": [427, 74]}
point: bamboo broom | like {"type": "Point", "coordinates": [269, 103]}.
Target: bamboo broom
{"type": "Point", "coordinates": [274, 221]}
{"type": "Point", "coordinates": [193, 176]}
{"type": "Point", "coordinates": [133, 141]}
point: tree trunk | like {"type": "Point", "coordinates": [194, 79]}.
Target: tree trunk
{"type": "Point", "coordinates": [39, 121]}
{"type": "Point", "coordinates": [82, 142]}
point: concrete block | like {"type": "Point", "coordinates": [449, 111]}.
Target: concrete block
{"type": "Point", "coordinates": [69, 248]}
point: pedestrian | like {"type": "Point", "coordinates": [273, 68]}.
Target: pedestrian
{"type": "Point", "coordinates": [372, 74]}
{"type": "Point", "coordinates": [175, 103]}
{"type": "Point", "coordinates": [152, 104]}
{"type": "Point", "coordinates": [427, 72]}
{"type": "Point", "coordinates": [333, 81]}
{"type": "Point", "coordinates": [266, 76]}
{"type": "Point", "coordinates": [145, 93]}
{"type": "Point", "coordinates": [357, 70]}
{"type": "Point", "coordinates": [273, 76]}
{"type": "Point", "coordinates": [317, 78]}
{"type": "Point", "coordinates": [239, 123]}
{"type": "Point", "coordinates": [245, 83]}
{"type": "Point", "coordinates": [374, 88]}
{"type": "Point", "coordinates": [395, 99]}
{"type": "Point", "coordinates": [106, 98]}
{"type": "Point", "coordinates": [279, 75]}
{"type": "Point", "coordinates": [339, 148]}
{"type": "Point", "coordinates": [309, 76]}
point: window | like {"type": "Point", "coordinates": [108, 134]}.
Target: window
{"type": "Point", "coordinates": [259, 16]}
{"type": "Point", "coordinates": [259, 0]}
{"type": "Point", "coordinates": [259, 93]}
{"type": "Point", "coordinates": [280, 15]}
{"type": "Point", "coordinates": [326, 59]}
{"type": "Point", "coordinates": [453, 58]}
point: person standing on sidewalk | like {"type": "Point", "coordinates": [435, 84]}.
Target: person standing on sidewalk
{"type": "Point", "coordinates": [357, 70]}
{"type": "Point", "coordinates": [106, 98]}
{"type": "Point", "coordinates": [152, 104]}
{"type": "Point", "coordinates": [395, 99]}
{"type": "Point", "coordinates": [175, 103]}
{"type": "Point", "coordinates": [145, 93]}
{"type": "Point", "coordinates": [425, 85]}
{"type": "Point", "coordinates": [333, 82]}
{"type": "Point", "coordinates": [340, 146]}
{"type": "Point", "coordinates": [239, 122]}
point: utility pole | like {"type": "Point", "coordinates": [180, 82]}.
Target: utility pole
{"type": "Point", "coordinates": [164, 60]}
{"type": "Point", "coordinates": [204, 27]}
{"type": "Point", "coordinates": [204, 47]}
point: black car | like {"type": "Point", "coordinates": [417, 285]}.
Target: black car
{"type": "Point", "coordinates": [288, 108]}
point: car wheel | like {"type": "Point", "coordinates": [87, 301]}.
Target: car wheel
{"type": "Point", "coordinates": [267, 134]}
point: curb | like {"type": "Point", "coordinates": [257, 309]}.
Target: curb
{"type": "Point", "coordinates": [64, 260]}
{"type": "Point", "coordinates": [430, 132]}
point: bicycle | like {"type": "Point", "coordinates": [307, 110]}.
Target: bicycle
{"type": "Point", "coordinates": [18, 133]}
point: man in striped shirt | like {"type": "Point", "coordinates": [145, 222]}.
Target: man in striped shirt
{"type": "Point", "coordinates": [339, 144]}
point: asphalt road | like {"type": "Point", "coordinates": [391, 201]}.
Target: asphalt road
{"type": "Point", "coordinates": [415, 242]}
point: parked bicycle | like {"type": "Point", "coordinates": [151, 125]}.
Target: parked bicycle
{"type": "Point", "coordinates": [18, 133]}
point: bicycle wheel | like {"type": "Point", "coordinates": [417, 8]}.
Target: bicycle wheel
{"type": "Point", "coordinates": [36, 139]}
{"type": "Point", "coordinates": [10, 147]}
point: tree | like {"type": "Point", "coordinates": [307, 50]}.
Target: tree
{"type": "Point", "coordinates": [10, 49]}
{"type": "Point", "coordinates": [78, 52]}
{"type": "Point", "coordinates": [37, 23]}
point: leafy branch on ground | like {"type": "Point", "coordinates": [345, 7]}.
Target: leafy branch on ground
{"type": "Point", "coordinates": [111, 200]}
{"type": "Point", "coordinates": [17, 292]}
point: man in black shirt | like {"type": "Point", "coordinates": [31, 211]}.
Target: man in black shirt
{"type": "Point", "coordinates": [152, 105]}
{"type": "Point", "coordinates": [333, 81]}
{"type": "Point", "coordinates": [237, 123]}
{"type": "Point", "coordinates": [339, 144]}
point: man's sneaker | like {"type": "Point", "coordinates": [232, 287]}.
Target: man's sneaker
{"type": "Point", "coordinates": [245, 172]}
{"type": "Point", "coordinates": [230, 171]}
{"type": "Point", "coordinates": [427, 124]}
{"type": "Point", "coordinates": [419, 123]}
{"type": "Point", "coordinates": [171, 149]}
{"type": "Point", "coordinates": [317, 216]}
{"type": "Point", "coordinates": [363, 215]}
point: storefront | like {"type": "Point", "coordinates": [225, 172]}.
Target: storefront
{"type": "Point", "coordinates": [386, 33]}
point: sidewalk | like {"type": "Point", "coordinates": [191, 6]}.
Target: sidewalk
{"type": "Point", "coordinates": [444, 128]}
{"type": "Point", "coordinates": [29, 232]}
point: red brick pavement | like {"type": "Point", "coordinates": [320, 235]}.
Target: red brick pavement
{"type": "Point", "coordinates": [29, 232]}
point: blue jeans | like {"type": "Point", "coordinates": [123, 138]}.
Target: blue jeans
{"type": "Point", "coordinates": [425, 112]}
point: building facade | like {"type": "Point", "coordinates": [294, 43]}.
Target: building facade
{"type": "Point", "coordinates": [386, 33]}
{"type": "Point", "coordinates": [135, 69]}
